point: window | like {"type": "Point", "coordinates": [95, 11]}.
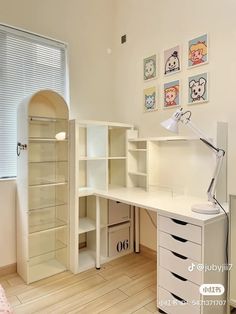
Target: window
{"type": "Point", "coordinates": [28, 63]}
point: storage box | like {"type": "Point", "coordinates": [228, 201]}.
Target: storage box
{"type": "Point", "coordinates": [118, 239]}
{"type": "Point", "coordinates": [117, 212]}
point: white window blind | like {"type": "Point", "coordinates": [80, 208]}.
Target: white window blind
{"type": "Point", "coordinates": [28, 63]}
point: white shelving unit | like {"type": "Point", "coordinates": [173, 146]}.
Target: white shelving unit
{"type": "Point", "coordinates": [42, 186]}
{"type": "Point", "coordinates": [98, 161]}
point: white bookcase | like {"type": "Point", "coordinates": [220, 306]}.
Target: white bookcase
{"type": "Point", "coordinates": [98, 161]}
{"type": "Point", "coordinates": [42, 186]}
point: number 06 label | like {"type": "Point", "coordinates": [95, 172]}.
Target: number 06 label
{"type": "Point", "coordinates": [122, 245]}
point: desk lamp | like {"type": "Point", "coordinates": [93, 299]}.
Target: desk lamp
{"type": "Point", "coordinates": [210, 207]}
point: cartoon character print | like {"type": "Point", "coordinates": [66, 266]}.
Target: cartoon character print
{"type": "Point", "coordinates": [150, 101]}
{"type": "Point", "coordinates": [197, 52]}
{"type": "Point", "coordinates": [198, 89]}
{"type": "Point", "coordinates": [171, 94]}
{"type": "Point", "coordinates": [172, 63]}
{"type": "Point", "coordinates": [149, 69]}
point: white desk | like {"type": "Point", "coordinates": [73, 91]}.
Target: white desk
{"type": "Point", "coordinates": [202, 233]}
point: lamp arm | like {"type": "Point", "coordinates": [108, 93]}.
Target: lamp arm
{"type": "Point", "coordinates": [212, 187]}
{"type": "Point", "coordinates": [219, 157]}
{"type": "Point", "coordinates": [195, 129]}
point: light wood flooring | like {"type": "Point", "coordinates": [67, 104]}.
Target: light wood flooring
{"type": "Point", "coordinates": [124, 285]}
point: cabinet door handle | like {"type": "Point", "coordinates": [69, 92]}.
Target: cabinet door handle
{"type": "Point", "coordinates": [178, 298]}
{"type": "Point", "coordinates": [179, 255]}
{"type": "Point", "coordinates": [178, 238]}
{"type": "Point", "coordinates": [179, 222]}
{"type": "Point", "coordinates": [179, 277]}
{"type": "Point", "coordinates": [161, 311]}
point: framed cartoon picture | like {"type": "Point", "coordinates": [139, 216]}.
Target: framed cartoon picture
{"type": "Point", "coordinates": [149, 68]}
{"type": "Point", "coordinates": [171, 94]}
{"type": "Point", "coordinates": [198, 88]}
{"type": "Point", "coordinates": [172, 60]}
{"type": "Point", "coordinates": [150, 99]}
{"type": "Point", "coordinates": [198, 51]}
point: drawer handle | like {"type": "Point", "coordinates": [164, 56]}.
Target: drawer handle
{"type": "Point", "coordinates": [161, 311]}
{"type": "Point", "coordinates": [180, 222]}
{"type": "Point", "coordinates": [117, 202]}
{"type": "Point", "coordinates": [179, 255]}
{"type": "Point", "coordinates": [178, 277]}
{"type": "Point", "coordinates": [178, 298]}
{"type": "Point", "coordinates": [178, 238]}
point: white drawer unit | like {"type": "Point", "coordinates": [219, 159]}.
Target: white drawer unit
{"type": "Point", "coordinates": [118, 239]}
{"type": "Point", "coordinates": [178, 285]}
{"type": "Point", "coordinates": [181, 229]}
{"type": "Point", "coordinates": [182, 246]}
{"type": "Point", "coordinates": [117, 212]}
{"type": "Point", "coordinates": [173, 304]}
{"type": "Point", "coordinates": [180, 264]}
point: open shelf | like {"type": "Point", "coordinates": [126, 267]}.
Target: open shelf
{"type": "Point", "coordinates": [143, 174]}
{"type": "Point", "coordinates": [137, 150]}
{"type": "Point", "coordinates": [86, 224]}
{"type": "Point", "coordinates": [117, 158]}
{"type": "Point", "coordinates": [87, 259]}
{"type": "Point", "coordinates": [92, 158]}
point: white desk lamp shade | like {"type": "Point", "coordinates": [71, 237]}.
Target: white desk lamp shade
{"type": "Point", "coordinates": [171, 125]}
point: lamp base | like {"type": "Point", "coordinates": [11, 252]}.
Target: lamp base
{"type": "Point", "coordinates": [206, 208]}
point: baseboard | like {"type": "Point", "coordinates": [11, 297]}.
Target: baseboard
{"type": "Point", "coordinates": [7, 270]}
{"type": "Point", "coordinates": [146, 251]}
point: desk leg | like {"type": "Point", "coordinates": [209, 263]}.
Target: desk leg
{"type": "Point", "coordinates": [136, 228]}
{"type": "Point", "coordinates": [98, 233]}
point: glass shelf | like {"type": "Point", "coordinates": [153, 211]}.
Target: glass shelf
{"type": "Point", "coordinates": [46, 139]}
{"type": "Point", "coordinates": [41, 244]}
{"type": "Point", "coordinates": [45, 269]}
{"type": "Point", "coordinates": [53, 224]}
{"type": "Point", "coordinates": [37, 119]}
{"type": "Point", "coordinates": [47, 183]}
{"type": "Point", "coordinates": [47, 204]}
{"type": "Point", "coordinates": [47, 161]}
{"type": "Point", "coordinates": [46, 128]}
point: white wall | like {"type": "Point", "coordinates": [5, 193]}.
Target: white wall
{"type": "Point", "coordinates": [86, 26]}
{"type": "Point", "coordinates": [154, 25]}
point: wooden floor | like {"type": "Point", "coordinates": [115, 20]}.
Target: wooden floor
{"type": "Point", "coordinates": [125, 285]}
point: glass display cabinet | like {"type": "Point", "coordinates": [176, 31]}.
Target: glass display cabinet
{"type": "Point", "coordinates": [42, 186]}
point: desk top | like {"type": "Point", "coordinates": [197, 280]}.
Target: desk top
{"type": "Point", "coordinates": [163, 203]}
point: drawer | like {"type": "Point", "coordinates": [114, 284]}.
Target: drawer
{"type": "Point", "coordinates": [171, 303]}
{"type": "Point", "coordinates": [181, 229]}
{"type": "Point", "coordinates": [117, 212]}
{"type": "Point", "coordinates": [180, 245]}
{"type": "Point", "coordinates": [118, 239]}
{"type": "Point", "coordinates": [179, 286]}
{"type": "Point", "coordinates": [179, 264]}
